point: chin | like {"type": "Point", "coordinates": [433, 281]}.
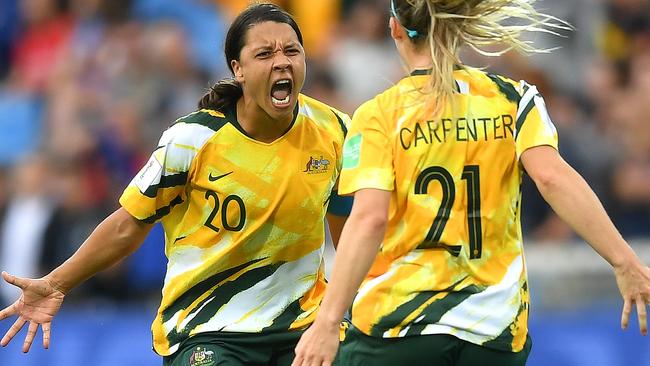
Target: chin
{"type": "Point", "coordinates": [282, 115]}
{"type": "Point", "coordinates": [284, 111]}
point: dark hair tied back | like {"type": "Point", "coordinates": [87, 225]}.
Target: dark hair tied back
{"type": "Point", "coordinates": [221, 94]}
{"type": "Point", "coordinates": [227, 91]}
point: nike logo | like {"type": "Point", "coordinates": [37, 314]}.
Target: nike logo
{"type": "Point", "coordinates": [213, 178]}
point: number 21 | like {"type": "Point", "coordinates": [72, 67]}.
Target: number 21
{"type": "Point", "coordinates": [442, 175]}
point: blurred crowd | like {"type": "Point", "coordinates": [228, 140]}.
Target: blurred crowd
{"type": "Point", "coordinates": [88, 86]}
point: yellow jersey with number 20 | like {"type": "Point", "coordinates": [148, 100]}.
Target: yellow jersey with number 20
{"type": "Point", "coordinates": [243, 221]}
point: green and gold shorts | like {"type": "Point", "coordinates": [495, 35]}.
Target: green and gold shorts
{"type": "Point", "coordinates": [236, 349]}
{"type": "Point", "coordinates": [359, 349]}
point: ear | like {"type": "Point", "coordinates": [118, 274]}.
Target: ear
{"type": "Point", "coordinates": [237, 70]}
{"type": "Point", "coordinates": [396, 30]}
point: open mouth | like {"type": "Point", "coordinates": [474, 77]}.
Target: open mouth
{"type": "Point", "coordinates": [281, 93]}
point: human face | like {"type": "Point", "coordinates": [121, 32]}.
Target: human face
{"type": "Point", "coordinates": [271, 68]}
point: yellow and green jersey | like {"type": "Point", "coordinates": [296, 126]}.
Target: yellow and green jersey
{"type": "Point", "coordinates": [452, 258]}
{"type": "Point", "coordinates": [243, 221]}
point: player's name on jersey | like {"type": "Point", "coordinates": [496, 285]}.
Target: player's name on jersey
{"type": "Point", "coordinates": [459, 129]}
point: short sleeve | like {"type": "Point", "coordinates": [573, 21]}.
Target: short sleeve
{"type": "Point", "coordinates": [533, 124]}
{"type": "Point", "coordinates": [161, 183]}
{"type": "Point", "coordinates": [367, 152]}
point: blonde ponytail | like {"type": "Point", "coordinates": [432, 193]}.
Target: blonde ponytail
{"type": "Point", "coordinates": [447, 25]}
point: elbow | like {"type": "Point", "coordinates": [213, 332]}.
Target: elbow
{"type": "Point", "coordinates": [128, 230]}
{"type": "Point", "coordinates": [555, 178]}
{"type": "Point", "coordinates": [375, 222]}
{"type": "Point", "coordinates": [546, 168]}
{"type": "Point", "coordinates": [370, 212]}
{"type": "Point", "coordinates": [545, 180]}
{"type": "Point", "coordinates": [124, 229]}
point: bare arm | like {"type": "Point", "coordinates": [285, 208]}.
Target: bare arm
{"type": "Point", "coordinates": [119, 235]}
{"type": "Point", "coordinates": [575, 202]}
{"type": "Point", "coordinates": [360, 241]}
{"type": "Point", "coordinates": [116, 237]}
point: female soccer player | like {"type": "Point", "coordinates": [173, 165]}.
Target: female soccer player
{"type": "Point", "coordinates": [434, 239]}
{"type": "Point", "coordinates": [242, 187]}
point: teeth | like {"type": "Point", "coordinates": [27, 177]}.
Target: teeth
{"type": "Point", "coordinates": [280, 82]}
{"type": "Point", "coordinates": [283, 101]}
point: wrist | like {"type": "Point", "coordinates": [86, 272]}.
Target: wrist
{"type": "Point", "coordinates": [57, 283]}
{"type": "Point", "coordinates": [329, 319]}
{"type": "Point", "coordinates": [624, 262]}
{"type": "Point", "coordinates": [623, 258]}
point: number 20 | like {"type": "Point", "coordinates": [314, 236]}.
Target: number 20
{"type": "Point", "coordinates": [442, 175]}
{"type": "Point", "coordinates": [224, 212]}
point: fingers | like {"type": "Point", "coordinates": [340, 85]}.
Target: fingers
{"type": "Point", "coordinates": [297, 361]}
{"type": "Point", "coordinates": [300, 361]}
{"type": "Point", "coordinates": [6, 276]}
{"type": "Point", "coordinates": [12, 331]}
{"type": "Point", "coordinates": [625, 315]}
{"type": "Point", "coordinates": [46, 335]}
{"type": "Point", "coordinates": [31, 333]}
{"type": "Point", "coordinates": [8, 311]}
{"type": "Point", "coordinates": [16, 281]}
{"type": "Point", "coordinates": [642, 314]}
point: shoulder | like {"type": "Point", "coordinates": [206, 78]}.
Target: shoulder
{"type": "Point", "coordinates": [323, 114]}
{"type": "Point", "coordinates": [368, 107]}
{"type": "Point", "coordinates": [404, 86]}
{"type": "Point", "coordinates": [209, 118]}
{"type": "Point", "coordinates": [507, 87]}
{"type": "Point", "coordinates": [376, 106]}
{"type": "Point", "coordinates": [194, 129]}
{"type": "Point", "coordinates": [514, 91]}
{"type": "Point", "coordinates": [405, 94]}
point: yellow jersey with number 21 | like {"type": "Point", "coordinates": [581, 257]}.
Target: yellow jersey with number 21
{"type": "Point", "coordinates": [451, 261]}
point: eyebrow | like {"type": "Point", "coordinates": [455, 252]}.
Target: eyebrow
{"type": "Point", "coordinates": [267, 46]}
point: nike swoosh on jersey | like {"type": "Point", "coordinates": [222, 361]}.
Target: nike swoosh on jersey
{"type": "Point", "coordinates": [213, 178]}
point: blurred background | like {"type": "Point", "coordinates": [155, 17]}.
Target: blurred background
{"type": "Point", "coordinates": [88, 86]}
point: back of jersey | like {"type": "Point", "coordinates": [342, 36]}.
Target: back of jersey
{"type": "Point", "coordinates": [452, 257]}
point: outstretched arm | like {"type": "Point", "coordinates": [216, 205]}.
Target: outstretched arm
{"type": "Point", "coordinates": [116, 237]}
{"type": "Point", "coordinates": [575, 202]}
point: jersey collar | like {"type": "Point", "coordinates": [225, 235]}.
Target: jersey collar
{"type": "Point", "coordinates": [231, 114]}
{"type": "Point", "coordinates": [418, 72]}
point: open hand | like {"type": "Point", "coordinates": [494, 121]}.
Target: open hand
{"type": "Point", "coordinates": [318, 345]}
{"type": "Point", "coordinates": [634, 283]}
{"type": "Point", "coordinates": [39, 302]}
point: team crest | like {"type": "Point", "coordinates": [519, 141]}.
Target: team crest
{"type": "Point", "coordinates": [202, 357]}
{"type": "Point", "coordinates": [317, 165]}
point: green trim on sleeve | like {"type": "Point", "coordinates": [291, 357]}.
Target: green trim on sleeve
{"type": "Point", "coordinates": [166, 181]}
{"type": "Point", "coordinates": [163, 211]}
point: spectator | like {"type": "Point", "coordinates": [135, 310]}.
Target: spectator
{"type": "Point", "coordinates": [40, 47]}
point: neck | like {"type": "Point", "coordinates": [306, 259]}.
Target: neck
{"type": "Point", "coordinates": [258, 124]}
{"type": "Point", "coordinates": [416, 58]}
